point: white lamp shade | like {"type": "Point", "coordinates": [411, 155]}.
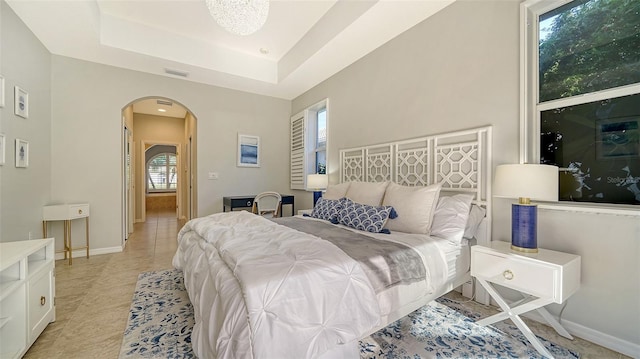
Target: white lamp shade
{"type": "Point", "coordinates": [317, 181]}
{"type": "Point", "coordinates": [533, 181]}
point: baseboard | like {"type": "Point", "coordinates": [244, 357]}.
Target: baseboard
{"type": "Point", "coordinates": [594, 336]}
{"type": "Point", "coordinates": [83, 253]}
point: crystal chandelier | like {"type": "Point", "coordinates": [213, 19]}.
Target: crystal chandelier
{"type": "Point", "coordinates": [241, 17]}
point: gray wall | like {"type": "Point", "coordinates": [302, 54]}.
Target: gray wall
{"type": "Point", "coordinates": [82, 107]}
{"type": "Point", "coordinates": [460, 69]}
{"type": "Point", "coordinates": [24, 62]}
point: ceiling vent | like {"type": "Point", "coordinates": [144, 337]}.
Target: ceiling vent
{"type": "Point", "coordinates": [165, 103]}
{"type": "Point", "coordinates": [176, 72]}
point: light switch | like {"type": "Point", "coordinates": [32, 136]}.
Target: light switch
{"type": "Point", "coordinates": [213, 175]}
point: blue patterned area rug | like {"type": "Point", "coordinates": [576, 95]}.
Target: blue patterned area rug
{"type": "Point", "coordinates": [161, 320]}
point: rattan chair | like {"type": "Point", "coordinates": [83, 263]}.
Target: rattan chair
{"type": "Point", "coordinates": [267, 204]}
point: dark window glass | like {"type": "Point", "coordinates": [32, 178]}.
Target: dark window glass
{"type": "Point", "coordinates": [597, 147]}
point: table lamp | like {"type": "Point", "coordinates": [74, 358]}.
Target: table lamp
{"type": "Point", "coordinates": [526, 182]}
{"type": "Point", "coordinates": [317, 183]}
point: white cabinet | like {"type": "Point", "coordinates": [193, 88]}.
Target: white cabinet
{"type": "Point", "coordinates": [27, 291]}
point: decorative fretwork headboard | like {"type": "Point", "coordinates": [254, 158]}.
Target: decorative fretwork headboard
{"type": "Point", "coordinates": [460, 160]}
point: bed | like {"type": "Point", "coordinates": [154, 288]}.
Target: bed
{"type": "Point", "coordinates": [393, 235]}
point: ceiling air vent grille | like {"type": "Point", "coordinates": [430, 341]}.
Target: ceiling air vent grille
{"type": "Point", "coordinates": [165, 103]}
{"type": "Point", "coordinates": [176, 72]}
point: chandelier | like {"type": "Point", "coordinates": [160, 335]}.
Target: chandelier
{"type": "Point", "coordinates": [240, 17]}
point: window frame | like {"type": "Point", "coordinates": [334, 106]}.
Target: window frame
{"type": "Point", "coordinates": [168, 167]}
{"type": "Point", "coordinates": [310, 146]}
{"type": "Point", "coordinates": [531, 108]}
{"type": "Point", "coordinates": [317, 147]}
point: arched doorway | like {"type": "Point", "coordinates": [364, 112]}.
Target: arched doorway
{"type": "Point", "coordinates": [149, 122]}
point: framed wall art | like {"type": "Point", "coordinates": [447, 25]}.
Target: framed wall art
{"type": "Point", "coordinates": [2, 157]}
{"type": "Point", "coordinates": [21, 105]}
{"type": "Point", "coordinates": [22, 153]}
{"type": "Point", "coordinates": [1, 91]}
{"type": "Point", "coordinates": [248, 151]}
{"type": "Point", "coordinates": [618, 138]}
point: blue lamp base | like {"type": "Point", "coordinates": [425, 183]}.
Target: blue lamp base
{"type": "Point", "coordinates": [316, 197]}
{"type": "Point", "coordinates": [524, 225]}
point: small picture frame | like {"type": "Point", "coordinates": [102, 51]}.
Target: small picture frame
{"type": "Point", "coordinates": [1, 91]}
{"type": "Point", "coordinates": [618, 138]}
{"type": "Point", "coordinates": [2, 156]}
{"type": "Point", "coordinates": [21, 105]}
{"type": "Point", "coordinates": [22, 153]}
{"type": "Point", "coordinates": [248, 151]}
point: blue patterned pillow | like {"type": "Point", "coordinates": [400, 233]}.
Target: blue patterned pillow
{"type": "Point", "coordinates": [364, 217]}
{"type": "Point", "coordinates": [327, 209]}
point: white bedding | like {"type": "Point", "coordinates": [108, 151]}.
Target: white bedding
{"type": "Point", "coordinates": [234, 264]}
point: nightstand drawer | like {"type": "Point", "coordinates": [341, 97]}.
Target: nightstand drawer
{"type": "Point", "coordinates": [526, 276]}
{"type": "Point", "coordinates": [65, 212]}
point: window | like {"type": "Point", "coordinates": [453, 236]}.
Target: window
{"type": "Point", "coordinates": [581, 96]}
{"type": "Point", "coordinates": [321, 141]}
{"type": "Point", "coordinates": [162, 173]}
{"type": "Point", "coordinates": [309, 143]}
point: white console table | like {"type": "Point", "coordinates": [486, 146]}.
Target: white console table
{"type": "Point", "coordinates": [67, 213]}
{"type": "Point", "coordinates": [27, 293]}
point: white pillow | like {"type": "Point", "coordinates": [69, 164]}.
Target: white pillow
{"type": "Point", "coordinates": [475, 217]}
{"type": "Point", "coordinates": [450, 218]}
{"type": "Point", "coordinates": [336, 191]}
{"type": "Point", "coordinates": [414, 206]}
{"type": "Point", "coordinates": [369, 193]}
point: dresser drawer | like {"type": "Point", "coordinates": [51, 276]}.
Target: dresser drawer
{"type": "Point", "coordinates": [40, 302]}
{"type": "Point", "coordinates": [78, 210]}
{"type": "Point", "coordinates": [529, 277]}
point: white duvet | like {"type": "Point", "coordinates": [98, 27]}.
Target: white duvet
{"type": "Point", "coordinates": [261, 290]}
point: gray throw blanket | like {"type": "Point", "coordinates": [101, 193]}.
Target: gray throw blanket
{"type": "Point", "coordinates": [386, 263]}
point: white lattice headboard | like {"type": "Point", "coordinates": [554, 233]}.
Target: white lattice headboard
{"type": "Point", "coordinates": [460, 160]}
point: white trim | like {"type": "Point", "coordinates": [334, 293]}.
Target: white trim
{"type": "Point", "coordinates": [593, 208]}
{"type": "Point", "coordinates": [626, 90]}
{"type": "Point", "coordinates": [82, 253]}
{"type": "Point", "coordinates": [594, 336]}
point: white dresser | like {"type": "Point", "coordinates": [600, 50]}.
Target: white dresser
{"type": "Point", "coordinates": [27, 293]}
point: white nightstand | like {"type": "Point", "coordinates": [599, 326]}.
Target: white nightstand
{"type": "Point", "coordinates": [543, 278]}
{"type": "Point", "coordinates": [304, 211]}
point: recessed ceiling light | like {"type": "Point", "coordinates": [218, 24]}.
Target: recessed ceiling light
{"type": "Point", "coordinates": [162, 110]}
{"type": "Point", "coordinates": [264, 51]}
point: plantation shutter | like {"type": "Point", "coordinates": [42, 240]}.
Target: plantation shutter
{"type": "Point", "coordinates": [297, 152]}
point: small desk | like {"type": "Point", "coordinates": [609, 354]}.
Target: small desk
{"type": "Point", "coordinates": [232, 202]}
{"type": "Point", "coordinates": [66, 213]}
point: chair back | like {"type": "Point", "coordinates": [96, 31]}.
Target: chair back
{"type": "Point", "coordinates": [267, 203]}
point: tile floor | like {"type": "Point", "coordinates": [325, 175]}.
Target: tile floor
{"type": "Point", "coordinates": [93, 297]}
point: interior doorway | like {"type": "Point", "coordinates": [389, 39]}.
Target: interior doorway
{"type": "Point", "coordinates": [159, 160]}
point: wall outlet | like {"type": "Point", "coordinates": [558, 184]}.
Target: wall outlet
{"type": "Point", "coordinates": [213, 175]}
{"type": "Point", "coordinates": [30, 235]}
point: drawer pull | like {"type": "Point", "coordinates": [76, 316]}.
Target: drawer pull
{"type": "Point", "coordinates": [79, 211]}
{"type": "Point", "coordinates": [507, 274]}
{"type": "Point", "coordinates": [248, 203]}
{"type": "Point", "coordinates": [43, 300]}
